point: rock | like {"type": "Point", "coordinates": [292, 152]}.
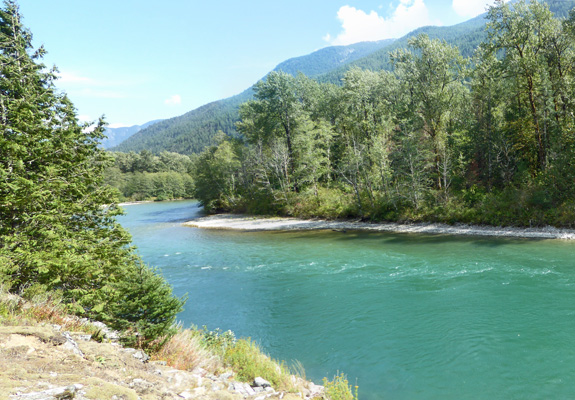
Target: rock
{"type": "Point", "coordinates": [249, 390]}
{"type": "Point", "coordinates": [106, 332]}
{"type": "Point", "coordinates": [199, 371]}
{"type": "Point", "coordinates": [141, 386]}
{"type": "Point", "coordinates": [71, 345]}
{"type": "Point", "coordinates": [316, 390]}
{"type": "Point", "coordinates": [186, 395]}
{"type": "Point", "coordinates": [140, 355]}
{"type": "Point", "coordinates": [226, 376]}
{"type": "Point", "coordinates": [199, 391]}
{"type": "Point", "coordinates": [261, 382]}
{"type": "Point", "coordinates": [59, 393]}
{"type": "Point", "coordinates": [81, 336]}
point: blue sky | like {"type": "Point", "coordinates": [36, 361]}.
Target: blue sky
{"type": "Point", "coordinates": [139, 60]}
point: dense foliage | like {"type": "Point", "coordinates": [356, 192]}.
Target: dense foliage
{"type": "Point", "coordinates": [188, 133]}
{"type": "Point", "coordinates": [145, 176]}
{"type": "Point", "coordinates": [57, 227]}
{"type": "Point", "coordinates": [487, 139]}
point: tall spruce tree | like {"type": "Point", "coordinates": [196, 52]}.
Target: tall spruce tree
{"type": "Point", "coordinates": [57, 219]}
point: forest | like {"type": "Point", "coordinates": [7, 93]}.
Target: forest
{"type": "Point", "coordinates": [485, 139]}
{"type": "Point", "coordinates": [145, 176]}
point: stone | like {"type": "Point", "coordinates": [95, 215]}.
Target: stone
{"type": "Point", "coordinates": [141, 386]}
{"type": "Point", "coordinates": [226, 376]}
{"type": "Point", "coordinates": [186, 395]}
{"type": "Point", "coordinates": [200, 391]}
{"type": "Point", "coordinates": [71, 345]}
{"type": "Point", "coordinates": [249, 390]}
{"type": "Point", "coordinates": [199, 371]}
{"type": "Point", "coordinates": [261, 382]}
{"type": "Point", "coordinates": [82, 337]}
{"type": "Point", "coordinates": [140, 355]}
{"type": "Point", "coordinates": [59, 393]}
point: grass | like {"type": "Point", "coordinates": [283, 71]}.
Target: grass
{"type": "Point", "coordinates": [248, 361]}
{"type": "Point", "coordinates": [188, 349]}
{"type": "Point", "coordinates": [216, 351]}
{"type": "Point", "coordinates": [45, 307]}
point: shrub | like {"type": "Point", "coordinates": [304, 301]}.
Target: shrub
{"type": "Point", "coordinates": [339, 388]}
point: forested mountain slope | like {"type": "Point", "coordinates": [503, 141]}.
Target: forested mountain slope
{"type": "Point", "coordinates": [466, 36]}
{"type": "Point", "coordinates": [115, 136]}
{"type": "Point", "coordinates": [193, 131]}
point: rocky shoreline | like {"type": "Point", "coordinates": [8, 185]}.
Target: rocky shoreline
{"type": "Point", "coordinates": [45, 362]}
{"type": "Point", "coordinates": [257, 223]}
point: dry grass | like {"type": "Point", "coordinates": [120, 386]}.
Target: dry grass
{"type": "Point", "coordinates": [186, 351]}
{"type": "Point", "coordinates": [45, 308]}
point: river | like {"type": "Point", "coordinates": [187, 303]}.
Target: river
{"type": "Point", "coordinates": [405, 316]}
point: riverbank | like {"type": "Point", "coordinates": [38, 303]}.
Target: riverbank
{"type": "Point", "coordinates": [257, 223]}
{"type": "Point", "coordinates": [50, 355]}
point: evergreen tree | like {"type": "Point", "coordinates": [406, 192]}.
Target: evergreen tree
{"type": "Point", "coordinates": [57, 220]}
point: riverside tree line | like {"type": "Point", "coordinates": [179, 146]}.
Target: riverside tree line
{"type": "Point", "coordinates": [486, 139]}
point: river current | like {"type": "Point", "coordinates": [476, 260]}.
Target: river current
{"type": "Point", "coordinates": [405, 316]}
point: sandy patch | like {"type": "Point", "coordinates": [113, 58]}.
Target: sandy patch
{"type": "Point", "coordinates": [254, 223]}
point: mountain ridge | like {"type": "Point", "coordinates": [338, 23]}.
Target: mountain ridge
{"type": "Point", "coordinates": [194, 130]}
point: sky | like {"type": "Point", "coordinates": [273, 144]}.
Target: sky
{"type": "Point", "coordinates": [133, 61]}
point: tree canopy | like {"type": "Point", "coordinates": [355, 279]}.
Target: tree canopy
{"type": "Point", "coordinates": [440, 136]}
{"type": "Point", "coordinates": [58, 230]}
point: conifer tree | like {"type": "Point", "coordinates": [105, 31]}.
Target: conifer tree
{"type": "Point", "coordinates": [57, 219]}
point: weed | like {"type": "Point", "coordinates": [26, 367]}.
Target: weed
{"type": "Point", "coordinates": [340, 389]}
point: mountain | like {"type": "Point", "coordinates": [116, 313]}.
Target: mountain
{"type": "Point", "coordinates": [194, 130]}
{"type": "Point", "coordinates": [115, 136]}
{"type": "Point", "coordinates": [328, 58]}
{"type": "Point", "coordinates": [191, 132]}
{"type": "Point", "coordinates": [466, 36]}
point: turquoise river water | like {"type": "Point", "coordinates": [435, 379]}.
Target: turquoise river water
{"type": "Point", "coordinates": [405, 316]}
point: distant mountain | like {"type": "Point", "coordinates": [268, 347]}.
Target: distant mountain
{"type": "Point", "coordinates": [115, 136]}
{"type": "Point", "coordinates": [191, 132]}
{"type": "Point", "coordinates": [328, 58]}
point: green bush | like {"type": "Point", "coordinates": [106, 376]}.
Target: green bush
{"type": "Point", "coordinates": [340, 389]}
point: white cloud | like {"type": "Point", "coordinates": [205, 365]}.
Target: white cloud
{"type": "Point", "coordinates": [173, 100]}
{"type": "Point", "coordinates": [358, 26]}
{"type": "Point", "coordinates": [471, 8]}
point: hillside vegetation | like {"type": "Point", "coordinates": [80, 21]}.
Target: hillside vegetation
{"type": "Point", "coordinates": [193, 131]}
{"type": "Point", "coordinates": [58, 232]}
{"type": "Point", "coordinates": [439, 137]}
